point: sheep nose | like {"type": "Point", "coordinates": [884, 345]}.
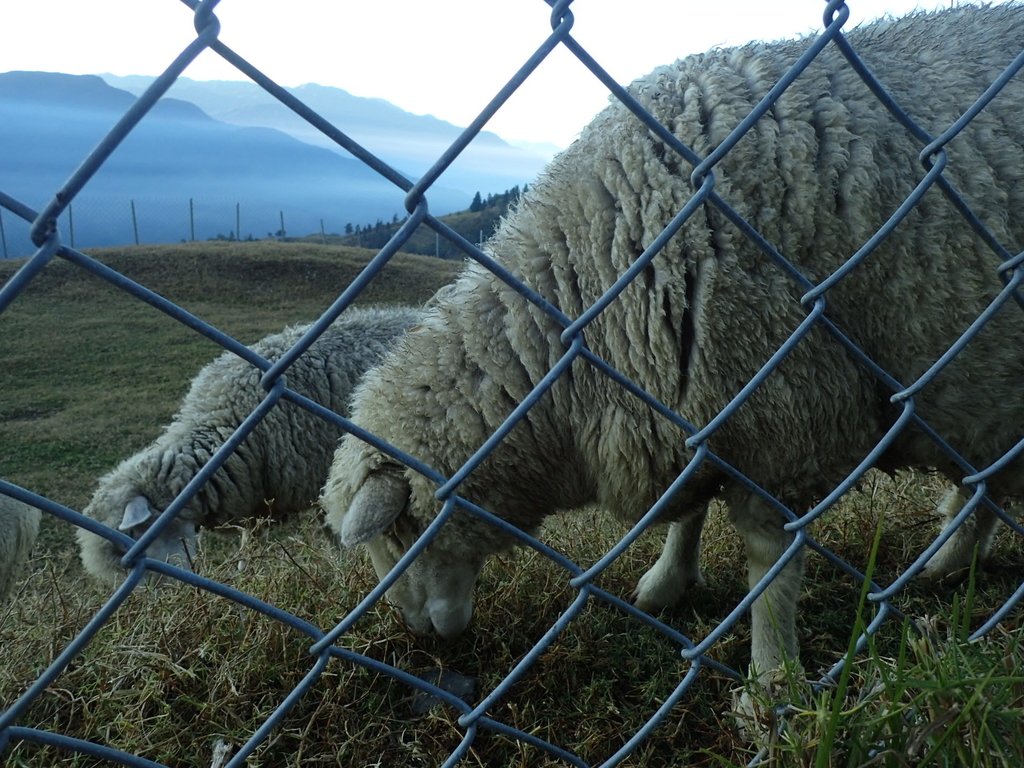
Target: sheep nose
{"type": "Point", "coordinates": [449, 618]}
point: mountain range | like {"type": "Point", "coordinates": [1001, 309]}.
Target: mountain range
{"type": "Point", "coordinates": [411, 143]}
{"type": "Point", "coordinates": [248, 165]}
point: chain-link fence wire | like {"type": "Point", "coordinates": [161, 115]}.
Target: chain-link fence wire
{"type": "Point", "coordinates": [324, 648]}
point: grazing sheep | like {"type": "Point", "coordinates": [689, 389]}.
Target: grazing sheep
{"type": "Point", "coordinates": [19, 526]}
{"type": "Point", "coordinates": [817, 175]}
{"type": "Point", "coordinates": [278, 469]}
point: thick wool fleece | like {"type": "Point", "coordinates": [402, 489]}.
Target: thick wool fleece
{"type": "Point", "coordinates": [19, 526]}
{"type": "Point", "coordinates": [281, 465]}
{"type": "Point", "coordinates": [817, 176]}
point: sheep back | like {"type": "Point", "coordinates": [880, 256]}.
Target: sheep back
{"type": "Point", "coordinates": [279, 468]}
{"type": "Point", "coordinates": [817, 175]}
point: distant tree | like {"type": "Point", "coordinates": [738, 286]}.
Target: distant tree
{"type": "Point", "coordinates": [477, 204]}
{"type": "Point", "coordinates": [348, 228]}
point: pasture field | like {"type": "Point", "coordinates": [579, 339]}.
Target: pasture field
{"type": "Point", "coordinates": [183, 677]}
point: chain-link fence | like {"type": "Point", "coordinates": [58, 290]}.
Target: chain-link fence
{"type": "Point", "coordinates": [327, 645]}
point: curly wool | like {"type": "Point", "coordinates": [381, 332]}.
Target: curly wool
{"type": "Point", "coordinates": [19, 526]}
{"type": "Point", "coordinates": [817, 176]}
{"type": "Point", "coordinates": [279, 468]}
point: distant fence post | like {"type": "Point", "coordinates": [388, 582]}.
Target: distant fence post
{"type": "Point", "coordinates": [281, 232]}
{"type": "Point", "coordinates": [71, 223]}
{"type": "Point", "coordinates": [3, 235]}
{"type": "Point", "coordinates": [135, 223]}
{"type": "Point", "coordinates": [191, 220]}
{"type": "Point", "coordinates": [323, 235]}
{"type": "Point", "coordinates": [238, 221]}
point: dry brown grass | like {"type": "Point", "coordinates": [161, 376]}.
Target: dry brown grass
{"type": "Point", "coordinates": [179, 670]}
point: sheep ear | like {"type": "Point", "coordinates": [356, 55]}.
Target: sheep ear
{"type": "Point", "coordinates": [377, 503]}
{"type": "Point", "coordinates": [136, 512]}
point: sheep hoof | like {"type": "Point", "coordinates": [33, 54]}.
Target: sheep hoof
{"type": "Point", "coordinates": [755, 719]}
{"type": "Point", "coordinates": [942, 578]}
{"type": "Point", "coordinates": [758, 707]}
{"type": "Point", "coordinates": [949, 566]}
{"type": "Point", "coordinates": [657, 591]}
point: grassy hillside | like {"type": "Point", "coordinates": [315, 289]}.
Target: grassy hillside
{"type": "Point", "coordinates": [180, 676]}
{"type": "Point", "coordinates": [475, 225]}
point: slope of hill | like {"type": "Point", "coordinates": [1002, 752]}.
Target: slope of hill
{"type": "Point", "coordinates": [475, 225]}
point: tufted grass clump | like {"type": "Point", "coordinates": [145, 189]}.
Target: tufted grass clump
{"type": "Point", "coordinates": [943, 698]}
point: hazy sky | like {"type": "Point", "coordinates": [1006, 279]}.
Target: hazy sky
{"type": "Point", "coordinates": [440, 57]}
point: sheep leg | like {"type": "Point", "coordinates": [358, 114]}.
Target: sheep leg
{"type": "Point", "coordinates": [954, 558]}
{"type": "Point", "coordinates": [678, 567]}
{"type": "Point", "coordinates": [773, 614]}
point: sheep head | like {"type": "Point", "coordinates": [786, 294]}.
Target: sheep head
{"type": "Point", "coordinates": [435, 593]}
{"type": "Point", "coordinates": [102, 557]}
{"type": "Point", "coordinates": [174, 545]}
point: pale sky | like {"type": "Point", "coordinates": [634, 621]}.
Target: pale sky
{"type": "Point", "coordinates": [441, 57]}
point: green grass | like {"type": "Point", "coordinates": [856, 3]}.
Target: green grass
{"type": "Point", "coordinates": [91, 375]}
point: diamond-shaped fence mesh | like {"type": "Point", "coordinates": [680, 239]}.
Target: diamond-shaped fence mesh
{"type": "Point", "coordinates": [723, 208]}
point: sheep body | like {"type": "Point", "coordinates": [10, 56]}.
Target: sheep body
{"type": "Point", "coordinates": [817, 176]}
{"type": "Point", "coordinates": [19, 526]}
{"type": "Point", "coordinates": [277, 470]}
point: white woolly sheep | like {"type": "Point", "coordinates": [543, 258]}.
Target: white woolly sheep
{"type": "Point", "coordinates": [818, 174]}
{"type": "Point", "coordinates": [278, 469]}
{"type": "Point", "coordinates": [19, 526]}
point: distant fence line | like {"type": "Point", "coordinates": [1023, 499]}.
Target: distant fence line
{"type": "Point", "coordinates": [130, 222]}
{"type": "Point", "coordinates": [90, 224]}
